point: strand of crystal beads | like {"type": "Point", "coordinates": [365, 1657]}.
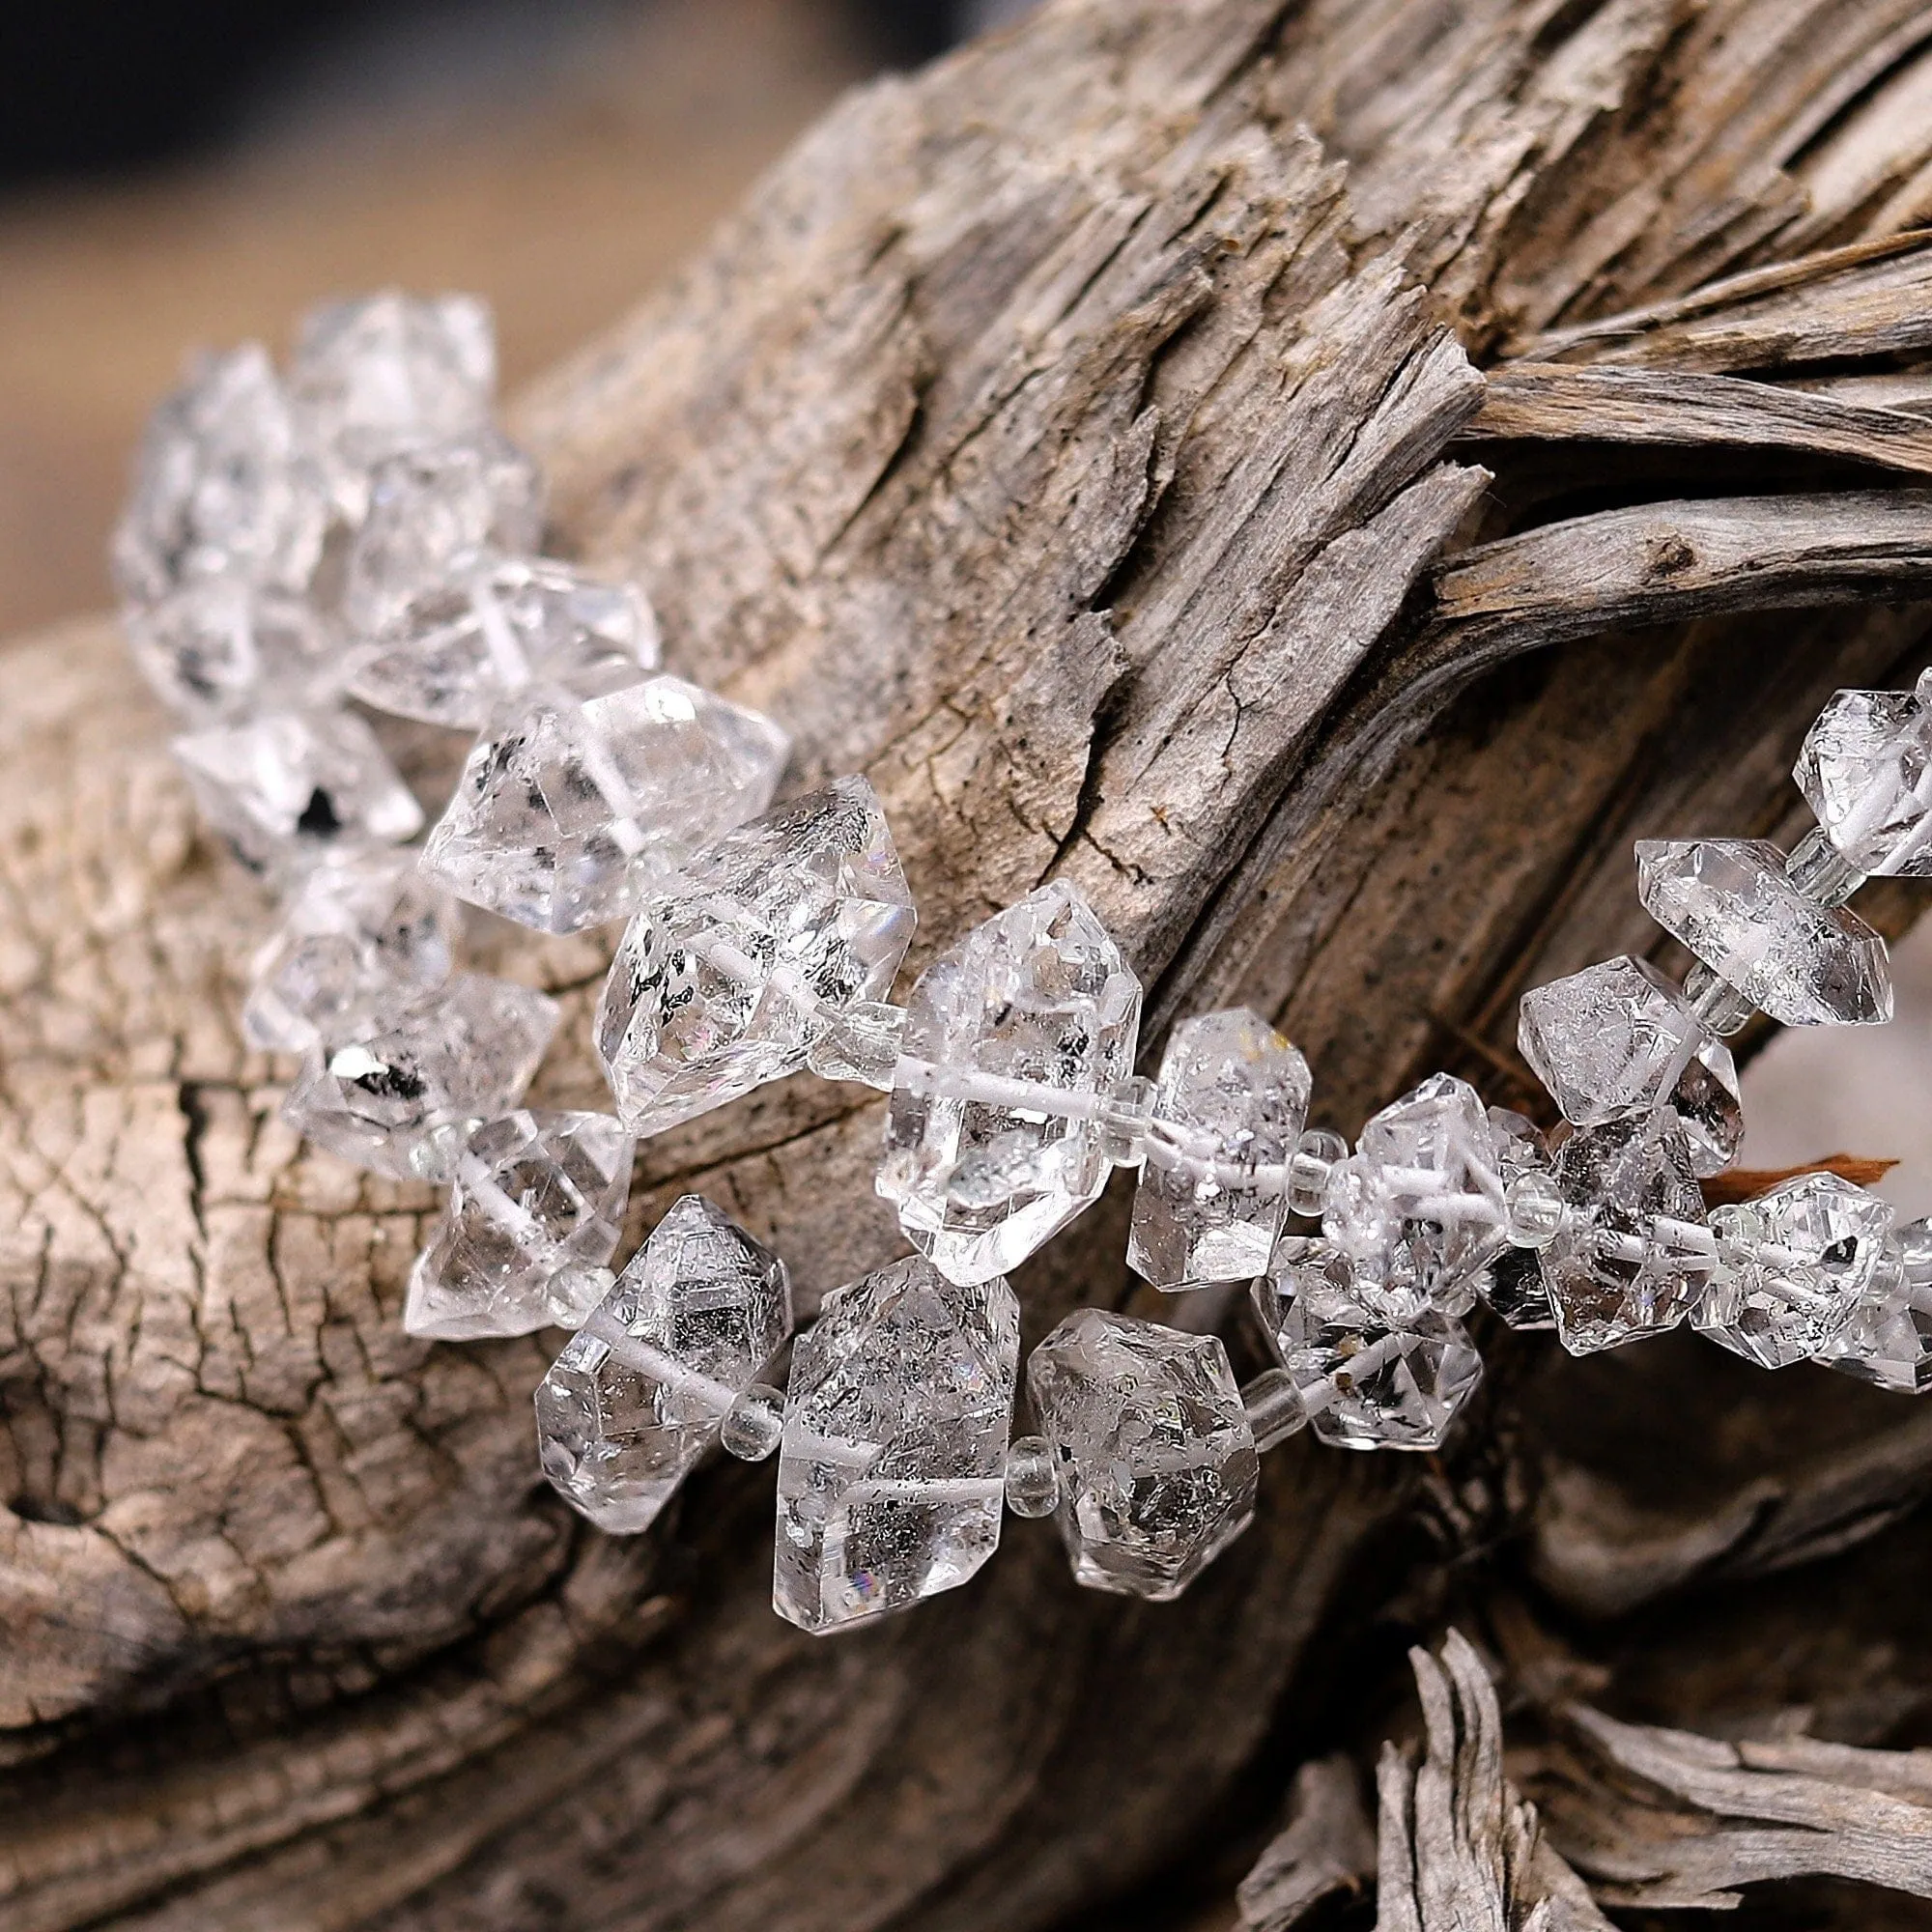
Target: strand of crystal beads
{"type": "Point", "coordinates": [360, 533]}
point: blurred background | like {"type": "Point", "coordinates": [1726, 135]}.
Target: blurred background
{"type": "Point", "coordinates": [176, 172]}
{"type": "Point", "coordinates": [180, 172]}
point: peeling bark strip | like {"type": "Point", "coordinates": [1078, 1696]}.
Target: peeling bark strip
{"type": "Point", "coordinates": [1077, 439]}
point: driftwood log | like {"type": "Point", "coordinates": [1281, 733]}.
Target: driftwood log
{"type": "Point", "coordinates": [1322, 477]}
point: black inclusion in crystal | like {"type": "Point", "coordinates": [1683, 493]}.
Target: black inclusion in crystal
{"type": "Point", "coordinates": [319, 820]}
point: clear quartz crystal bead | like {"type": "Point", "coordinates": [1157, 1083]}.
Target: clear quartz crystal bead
{"type": "Point", "coordinates": [437, 515]}
{"type": "Point", "coordinates": [1309, 1167]}
{"type": "Point", "coordinates": [891, 1469]}
{"type": "Point", "coordinates": [1363, 1383]}
{"type": "Point", "coordinates": [1821, 871]}
{"type": "Point", "coordinates": [569, 815]}
{"type": "Point", "coordinates": [384, 373]}
{"type": "Point", "coordinates": [1730, 902]}
{"type": "Point", "coordinates": [221, 488]}
{"type": "Point", "coordinates": [1418, 1208]}
{"type": "Point", "coordinates": [1634, 1253]}
{"type": "Point", "coordinates": [1157, 1458]}
{"type": "Point", "coordinates": [366, 934]}
{"type": "Point", "coordinates": [1033, 1477]}
{"type": "Point", "coordinates": [536, 1204]}
{"type": "Point", "coordinates": [220, 647]}
{"type": "Point", "coordinates": [1230, 1106]}
{"type": "Point", "coordinates": [657, 1372]}
{"type": "Point", "coordinates": [1536, 1210]}
{"type": "Point", "coordinates": [859, 1042]}
{"type": "Point", "coordinates": [1015, 1038]}
{"type": "Point", "coordinates": [455, 652]}
{"type": "Point", "coordinates": [1865, 770]}
{"type": "Point", "coordinates": [1609, 1042]}
{"type": "Point", "coordinates": [1795, 1265]}
{"type": "Point", "coordinates": [1887, 1341]}
{"type": "Point", "coordinates": [402, 1100]}
{"type": "Point", "coordinates": [725, 983]}
{"type": "Point", "coordinates": [754, 1423]}
{"type": "Point", "coordinates": [1274, 1408]}
{"type": "Point", "coordinates": [286, 788]}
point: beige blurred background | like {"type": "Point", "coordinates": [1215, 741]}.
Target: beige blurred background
{"type": "Point", "coordinates": [559, 159]}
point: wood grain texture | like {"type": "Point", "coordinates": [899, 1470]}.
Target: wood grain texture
{"type": "Point", "coordinates": [1071, 438]}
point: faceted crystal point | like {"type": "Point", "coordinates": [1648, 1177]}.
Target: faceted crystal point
{"type": "Point", "coordinates": [289, 787]}
{"type": "Point", "coordinates": [402, 1100]}
{"type": "Point", "coordinates": [220, 488]}
{"type": "Point", "coordinates": [1158, 1463]}
{"type": "Point", "coordinates": [1609, 1042]}
{"type": "Point", "coordinates": [723, 981]}
{"type": "Point", "coordinates": [1364, 1382]}
{"type": "Point", "coordinates": [648, 1384]}
{"type": "Point", "coordinates": [1889, 1340]}
{"type": "Point", "coordinates": [455, 652]}
{"type": "Point", "coordinates": [891, 1469]}
{"type": "Point", "coordinates": [1707, 1101]}
{"type": "Point", "coordinates": [569, 815]}
{"type": "Point", "coordinates": [1230, 1106]}
{"type": "Point", "coordinates": [1866, 769]}
{"type": "Point", "coordinates": [1730, 902]}
{"type": "Point", "coordinates": [535, 1208]}
{"type": "Point", "coordinates": [386, 372]}
{"type": "Point", "coordinates": [1624, 1264]}
{"type": "Point", "coordinates": [365, 935]}
{"type": "Point", "coordinates": [1014, 1039]}
{"type": "Point", "coordinates": [222, 647]}
{"type": "Point", "coordinates": [1794, 1267]}
{"type": "Point", "coordinates": [1418, 1208]}
{"type": "Point", "coordinates": [439, 515]}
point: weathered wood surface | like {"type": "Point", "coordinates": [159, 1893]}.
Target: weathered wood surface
{"type": "Point", "coordinates": [1089, 439]}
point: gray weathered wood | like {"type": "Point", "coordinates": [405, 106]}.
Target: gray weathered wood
{"type": "Point", "coordinates": [1069, 439]}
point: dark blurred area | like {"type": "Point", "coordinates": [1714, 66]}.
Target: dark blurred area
{"type": "Point", "coordinates": [89, 87]}
{"type": "Point", "coordinates": [176, 173]}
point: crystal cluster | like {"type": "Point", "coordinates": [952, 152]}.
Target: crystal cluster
{"type": "Point", "coordinates": [359, 533]}
{"type": "Point", "coordinates": [1015, 1041]}
{"type": "Point", "coordinates": [646, 1386]}
{"type": "Point", "coordinates": [891, 1467]}
{"type": "Point", "coordinates": [724, 982]}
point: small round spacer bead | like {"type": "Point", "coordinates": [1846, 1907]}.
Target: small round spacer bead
{"type": "Point", "coordinates": [1032, 1480]}
{"type": "Point", "coordinates": [1315, 1153]}
{"type": "Point", "coordinates": [1273, 1407]}
{"type": "Point", "coordinates": [753, 1424]}
{"type": "Point", "coordinates": [1127, 1119]}
{"type": "Point", "coordinates": [1535, 1209]}
{"type": "Point", "coordinates": [1717, 1002]}
{"type": "Point", "coordinates": [1820, 872]}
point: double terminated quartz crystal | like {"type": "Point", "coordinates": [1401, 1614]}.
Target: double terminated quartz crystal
{"type": "Point", "coordinates": [725, 982]}
{"type": "Point", "coordinates": [534, 1213]}
{"type": "Point", "coordinates": [568, 811]}
{"type": "Point", "coordinates": [645, 1387]}
{"type": "Point", "coordinates": [1016, 1040]}
{"type": "Point", "coordinates": [891, 1467]}
{"type": "Point", "coordinates": [1865, 770]}
{"type": "Point", "coordinates": [1229, 1107]}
